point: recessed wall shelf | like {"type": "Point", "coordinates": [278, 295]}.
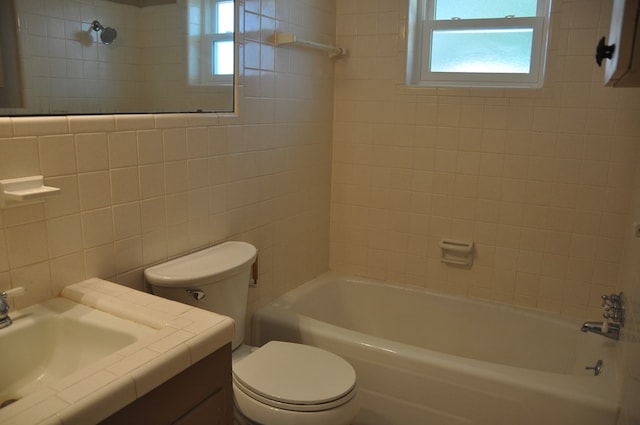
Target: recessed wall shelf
{"type": "Point", "coordinates": [24, 190]}
{"type": "Point", "coordinates": [288, 39]}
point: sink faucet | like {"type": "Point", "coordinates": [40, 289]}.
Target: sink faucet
{"type": "Point", "coordinates": [5, 320]}
{"type": "Point", "coordinates": [611, 330]}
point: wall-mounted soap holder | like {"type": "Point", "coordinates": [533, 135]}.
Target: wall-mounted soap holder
{"type": "Point", "coordinates": [24, 190]}
{"type": "Point", "coordinates": [457, 252]}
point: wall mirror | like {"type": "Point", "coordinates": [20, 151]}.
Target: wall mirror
{"type": "Point", "coordinates": [65, 57]}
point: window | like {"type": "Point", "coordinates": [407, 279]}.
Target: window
{"type": "Point", "coordinates": [211, 44]}
{"type": "Point", "coordinates": [487, 43]}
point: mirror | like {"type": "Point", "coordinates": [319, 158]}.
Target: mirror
{"type": "Point", "coordinates": [65, 57]}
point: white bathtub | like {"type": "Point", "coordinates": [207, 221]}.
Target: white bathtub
{"type": "Point", "coordinates": [429, 359]}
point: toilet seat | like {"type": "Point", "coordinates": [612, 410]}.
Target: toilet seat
{"type": "Point", "coordinates": [295, 377]}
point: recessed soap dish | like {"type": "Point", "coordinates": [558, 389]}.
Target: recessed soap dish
{"type": "Point", "coordinates": [24, 190]}
{"type": "Point", "coordinates": [457, 252]}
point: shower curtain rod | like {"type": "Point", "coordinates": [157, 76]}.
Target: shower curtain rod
{"type": "Point", "coordinates": [284, 39]}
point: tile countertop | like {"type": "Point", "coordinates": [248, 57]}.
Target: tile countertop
{"type": "Point", "coordinates": [184, 336]}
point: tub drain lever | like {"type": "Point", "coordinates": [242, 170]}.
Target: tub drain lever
{"type": "Point", "coordinates": [597, 369]}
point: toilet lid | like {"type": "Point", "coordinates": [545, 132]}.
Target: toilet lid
{"type": "Point", "coordinates": [295, 374]}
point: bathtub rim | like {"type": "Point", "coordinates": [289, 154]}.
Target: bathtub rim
{"type": "Point", "coordinates": [291, 296]}
{"type": "Point", "coordinates": [606, 394]}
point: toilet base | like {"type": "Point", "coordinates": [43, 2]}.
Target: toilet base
{"type": "Point", "coordinates": [248, 408]}
{"type": "Point", "coordinates": [239, 419]}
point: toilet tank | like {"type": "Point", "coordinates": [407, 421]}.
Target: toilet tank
{"type": "Point", "coordinates": [214, 279]}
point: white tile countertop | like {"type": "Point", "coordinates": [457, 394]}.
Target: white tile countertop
{"type": "Point", "coordinates": [184, 335]}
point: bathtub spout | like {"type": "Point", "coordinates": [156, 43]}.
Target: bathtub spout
{"type": "Point", "coordinates": [612, 330]}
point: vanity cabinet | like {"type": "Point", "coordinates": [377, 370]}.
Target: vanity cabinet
{"type": "Point", "coordinates": [200, 394]}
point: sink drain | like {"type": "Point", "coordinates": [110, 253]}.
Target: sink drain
{"type": "Point", "coordinates": [8, 402]}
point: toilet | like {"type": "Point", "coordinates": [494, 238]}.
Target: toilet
{"type": "Point", "coordinates": [280, 383]}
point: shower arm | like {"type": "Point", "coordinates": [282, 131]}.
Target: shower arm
{"type": "Point", "coordinates": [96, 26]}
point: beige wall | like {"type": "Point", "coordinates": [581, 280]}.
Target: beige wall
{"type": "Point", "coordinates": [539, 179]}
{"type": "Point", "coordinates": [138, 189]}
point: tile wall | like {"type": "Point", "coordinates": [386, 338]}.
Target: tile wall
{"type": "Point", "coordinates": [539, 179]}
{"type": "Point", "coordinates": [139, 189]}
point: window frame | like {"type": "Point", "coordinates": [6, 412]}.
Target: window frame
{"type": "Point", "coordinates": [422, 24]}
{"type": "Point", "coordinates": [204, 44]}
{"type": "Point", "coordinates": [209, 38]}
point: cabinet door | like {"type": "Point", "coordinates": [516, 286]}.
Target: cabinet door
{"type": "Point", "coordinates": [211, 412]}
{"type": "Point", "coordinates": [203, 390]}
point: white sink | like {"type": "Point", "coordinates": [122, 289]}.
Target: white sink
{"type": "Point", "coordinates": [52, 340]}
{"type": "Point", "coordinates": [97, 348]}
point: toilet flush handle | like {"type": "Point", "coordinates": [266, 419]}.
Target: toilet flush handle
{"type": "Point", "coordinates": [197, 294]}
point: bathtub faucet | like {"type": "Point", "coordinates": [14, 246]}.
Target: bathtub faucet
{"type": "Point", "coordinates": [613, 306]}
{"type": "Point", "coordinates": [611, 330]}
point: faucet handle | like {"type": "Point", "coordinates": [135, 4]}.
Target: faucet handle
{"type": "Point", "coordinates": [615, 316]}
{"type": "Point", "coordinates": [612, 298]}
{"type": "Point", "coordinates": [614, 310]}
{"type": "Point", "coordinates": [613, 301]}
{"type": "Point", "coordinates": [20, 290]}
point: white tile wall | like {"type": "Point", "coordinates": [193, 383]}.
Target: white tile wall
{"type": "Point", "coordinates": [139, 189]}
{"type": "Point", "coordinates": [539, 179]}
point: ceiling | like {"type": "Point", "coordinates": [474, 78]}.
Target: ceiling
{"type": "Point", "coordinates": [143, 3]}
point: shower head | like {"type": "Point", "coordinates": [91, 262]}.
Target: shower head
{"type": "Point", "coordinates": [107, 34]}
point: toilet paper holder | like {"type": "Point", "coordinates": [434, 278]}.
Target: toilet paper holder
{"type": "Point", "coordinates": [457, 252]}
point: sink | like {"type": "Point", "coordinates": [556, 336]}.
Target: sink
{"type": "Point", "coordinates": [54, 339]}
{"type": "Point", "coordinates": [97, 348]}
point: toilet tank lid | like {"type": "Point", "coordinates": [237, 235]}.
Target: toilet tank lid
{"type": "Point", "coordinates": [206, 266]}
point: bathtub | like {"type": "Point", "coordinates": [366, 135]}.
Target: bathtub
{"type": "Point", "coordinates": [432, 359]}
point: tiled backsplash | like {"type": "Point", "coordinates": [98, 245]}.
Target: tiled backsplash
{"type": "Point", "coordinates": [539, 179]}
